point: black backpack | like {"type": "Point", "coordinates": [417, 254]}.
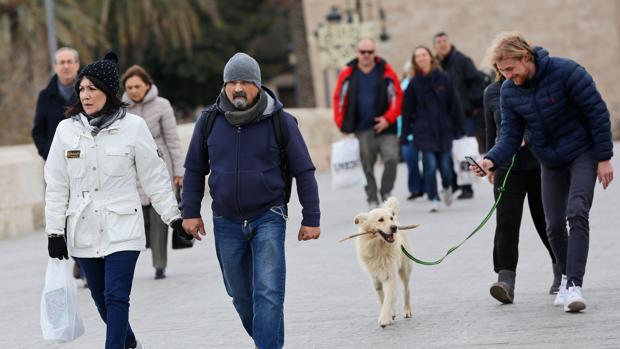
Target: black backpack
{"type": "Point", "coordinates": [280, 131]}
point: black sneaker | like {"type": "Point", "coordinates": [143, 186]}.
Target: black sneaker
{"type": "Point", "coordinates": [414, 196]}
{"type": "Point", "coordinates": [466, 195]}
{"type": "Point", "coordinates": [160, 273]}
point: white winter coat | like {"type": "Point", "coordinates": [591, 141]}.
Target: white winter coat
{"type": "Point", "coordinates": [91, 184]}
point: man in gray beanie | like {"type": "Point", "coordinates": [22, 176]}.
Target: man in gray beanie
{"type": "Point", "coordinates": [238, 140]}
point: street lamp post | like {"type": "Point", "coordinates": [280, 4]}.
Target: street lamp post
{"type": "Point", "coordinates": [333, 17]}
{"type": "Point", "coordinates": [337, 38]}
{"type": "Point", "coordinates": [51, 31]}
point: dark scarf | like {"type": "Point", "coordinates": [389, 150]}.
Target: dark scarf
{"type": "Point", "coordinates": [101, 121]}
{"type": "Point", "coordinates": [238, 117]}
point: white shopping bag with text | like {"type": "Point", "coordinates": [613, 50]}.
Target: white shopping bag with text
{"type": "Point", "coordinates": [465, 146]}
{"type": "Point", "coordinates": [59, 314]}
{"type": "Point", "coordinates": [346, 166]}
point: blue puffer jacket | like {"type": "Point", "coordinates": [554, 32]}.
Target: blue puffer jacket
{"type": "Point", "coordinates": [561, 108]}
{"type": "Point", "coordinates": [245, 178]}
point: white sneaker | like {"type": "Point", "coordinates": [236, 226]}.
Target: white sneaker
{"type": "Point", "coordinates": [560, 297]}
{"type": "Point", "coordinates": [139, 345]}
{"type": "Point", "coordinates": [447, 196]}
{"type": "Point", "coordinates": [435, 205]}
{"type": "Point", "coordinates": [574, 300]}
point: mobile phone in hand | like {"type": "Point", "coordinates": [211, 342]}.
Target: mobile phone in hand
{"type": "Point", "coordinates": [473, 162]}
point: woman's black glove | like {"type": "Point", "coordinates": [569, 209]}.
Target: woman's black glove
{"type": "Point", "coordinates": [57, 247]}
{"type": "Point", "coordinates": [177, 229]}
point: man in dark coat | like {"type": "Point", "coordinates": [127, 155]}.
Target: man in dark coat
{"type": "Point", "coordinates": [469, 84]}
{"type": "Point", "coordinates": [52, 100]}
{"type": "Point", "coordinates": [51, 104]}
{"type": "Point", "coordinates": [242, 157]}
{"type": "Point", "coordinates": [569, 132]}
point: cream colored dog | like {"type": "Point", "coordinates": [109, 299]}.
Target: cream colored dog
{"type": "Point", "coordinates": [378, 250]}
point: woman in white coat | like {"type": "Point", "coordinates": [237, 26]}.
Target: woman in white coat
{"type": "Point", "coordinates": [95, 159]}
{"type": "Point", "coordinates": [143, 100]}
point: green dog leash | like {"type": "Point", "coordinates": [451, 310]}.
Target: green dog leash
{"type": "Point", "coordinates": [501, 190]}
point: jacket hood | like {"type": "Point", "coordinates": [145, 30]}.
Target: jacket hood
{"type": "Point", "coordinates": [542, 61]}
{"type": "Point", "coordinates": [273, 103]}
{"type": "Point", "coordinates": [151, 95]}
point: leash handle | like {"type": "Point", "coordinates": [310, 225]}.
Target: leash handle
{"type": "Point", "coordinates": [501, 190]}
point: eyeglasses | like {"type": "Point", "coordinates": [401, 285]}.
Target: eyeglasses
{"type": "Point", "coordinates": [366, 52]}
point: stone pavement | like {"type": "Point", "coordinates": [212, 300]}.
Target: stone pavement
{"type": "Point", "coordinates": [330, 302]}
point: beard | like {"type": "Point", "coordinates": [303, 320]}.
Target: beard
{"type": "Point", "coordinates": [240, 103]}
{"type": "Point", "coordinates": [240, 100]}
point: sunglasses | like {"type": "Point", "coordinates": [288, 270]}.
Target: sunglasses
{"type": "Point", "coordinates": [366, 52]}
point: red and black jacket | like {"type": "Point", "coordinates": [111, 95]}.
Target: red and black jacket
{"type": "Point", "coordinates": [388, 103]}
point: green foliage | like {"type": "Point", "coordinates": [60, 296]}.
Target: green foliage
{"type": "Point", "coordinates": [196, 80]}
{"type": "Point", "coordinates": [183, 44]}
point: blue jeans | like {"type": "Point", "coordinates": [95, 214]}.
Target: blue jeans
{"type": "Point", "coordinates": [415, 182]}
{"type": "Point", "coordinates": [251, 256]}
{"type": "Point", "coordinates": [431, 161]}
{"type": "Point", "coordinates": [109, 280]}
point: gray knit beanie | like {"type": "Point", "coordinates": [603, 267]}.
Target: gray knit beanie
{"type": "Point", "coordinates": [242, 67]}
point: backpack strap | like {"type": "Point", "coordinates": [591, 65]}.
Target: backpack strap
{"type": "Point", "coordinates": [209, 115]}
{"type": "Point", "coordinates": [282, 138]}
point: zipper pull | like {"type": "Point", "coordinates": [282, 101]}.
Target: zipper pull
{"type": "Point", "coordinates": [246, 231]}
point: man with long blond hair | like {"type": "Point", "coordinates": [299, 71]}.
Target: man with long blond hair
{"type": "Point", "coordinates": [569, 132]}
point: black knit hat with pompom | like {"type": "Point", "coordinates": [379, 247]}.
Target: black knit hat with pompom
{"type": "Point", "coordinates": [105, 70]}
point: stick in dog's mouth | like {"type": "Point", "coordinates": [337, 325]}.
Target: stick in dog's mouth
{"type": "Point", "coordinates": [387, 237]}
{"type": "Point", "coordinates": [403, 227]}
{"type": "Point", "coordinates": [407, 227]}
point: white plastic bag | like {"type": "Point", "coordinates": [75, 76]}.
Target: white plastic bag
{"type": "Point", "coordinates": [346, 166]}
{"type": "Point", "coordinates": [59, 314]}
{"type": "Point", "coordinates": [465, 146]}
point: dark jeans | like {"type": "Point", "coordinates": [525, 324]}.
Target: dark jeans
{"type": "Point", "coordinates": [415, 182]}
{"type": "Point", "coordinates": [431, 161]}
{"type": "Point", "coordinates": [109, 280]}
{"type": "Point", "coordinates": [567, 196]}
{"type": "Point", "coordinates": [509, 212]}
{"type": "Point", "coordinates": [371, 146]}
{"type": "Point", "coordinates": [252, 260]}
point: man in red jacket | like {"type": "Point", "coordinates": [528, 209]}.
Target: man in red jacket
{"type": "Point", "coordinates": [367, 102]}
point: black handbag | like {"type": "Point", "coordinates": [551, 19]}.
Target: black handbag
{"type": "Point", "coordinates": [179, 242]}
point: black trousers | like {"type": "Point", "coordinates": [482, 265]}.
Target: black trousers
{"type": "Point", "coordinates": [568, 193]}
{"type": "Point", "coordinates": [509, 212]}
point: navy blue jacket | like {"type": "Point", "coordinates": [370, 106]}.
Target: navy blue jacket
{"type": "Point", "coordinates": [524, 160]}
{"type": "Point", "coordinates": [561, 108]}
{"type": "Point", "coordinates": [245, 178]}
{"type": "Point", "coordinates": [431, 107]}
{"type": "Point", "coordinates": [49, 113]}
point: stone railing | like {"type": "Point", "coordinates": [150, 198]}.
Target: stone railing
{"type": "Point", "coordinates": [21, 171]}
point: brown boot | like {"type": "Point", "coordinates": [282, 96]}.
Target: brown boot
{"type": "Point", "coordinates": [503, 289]}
